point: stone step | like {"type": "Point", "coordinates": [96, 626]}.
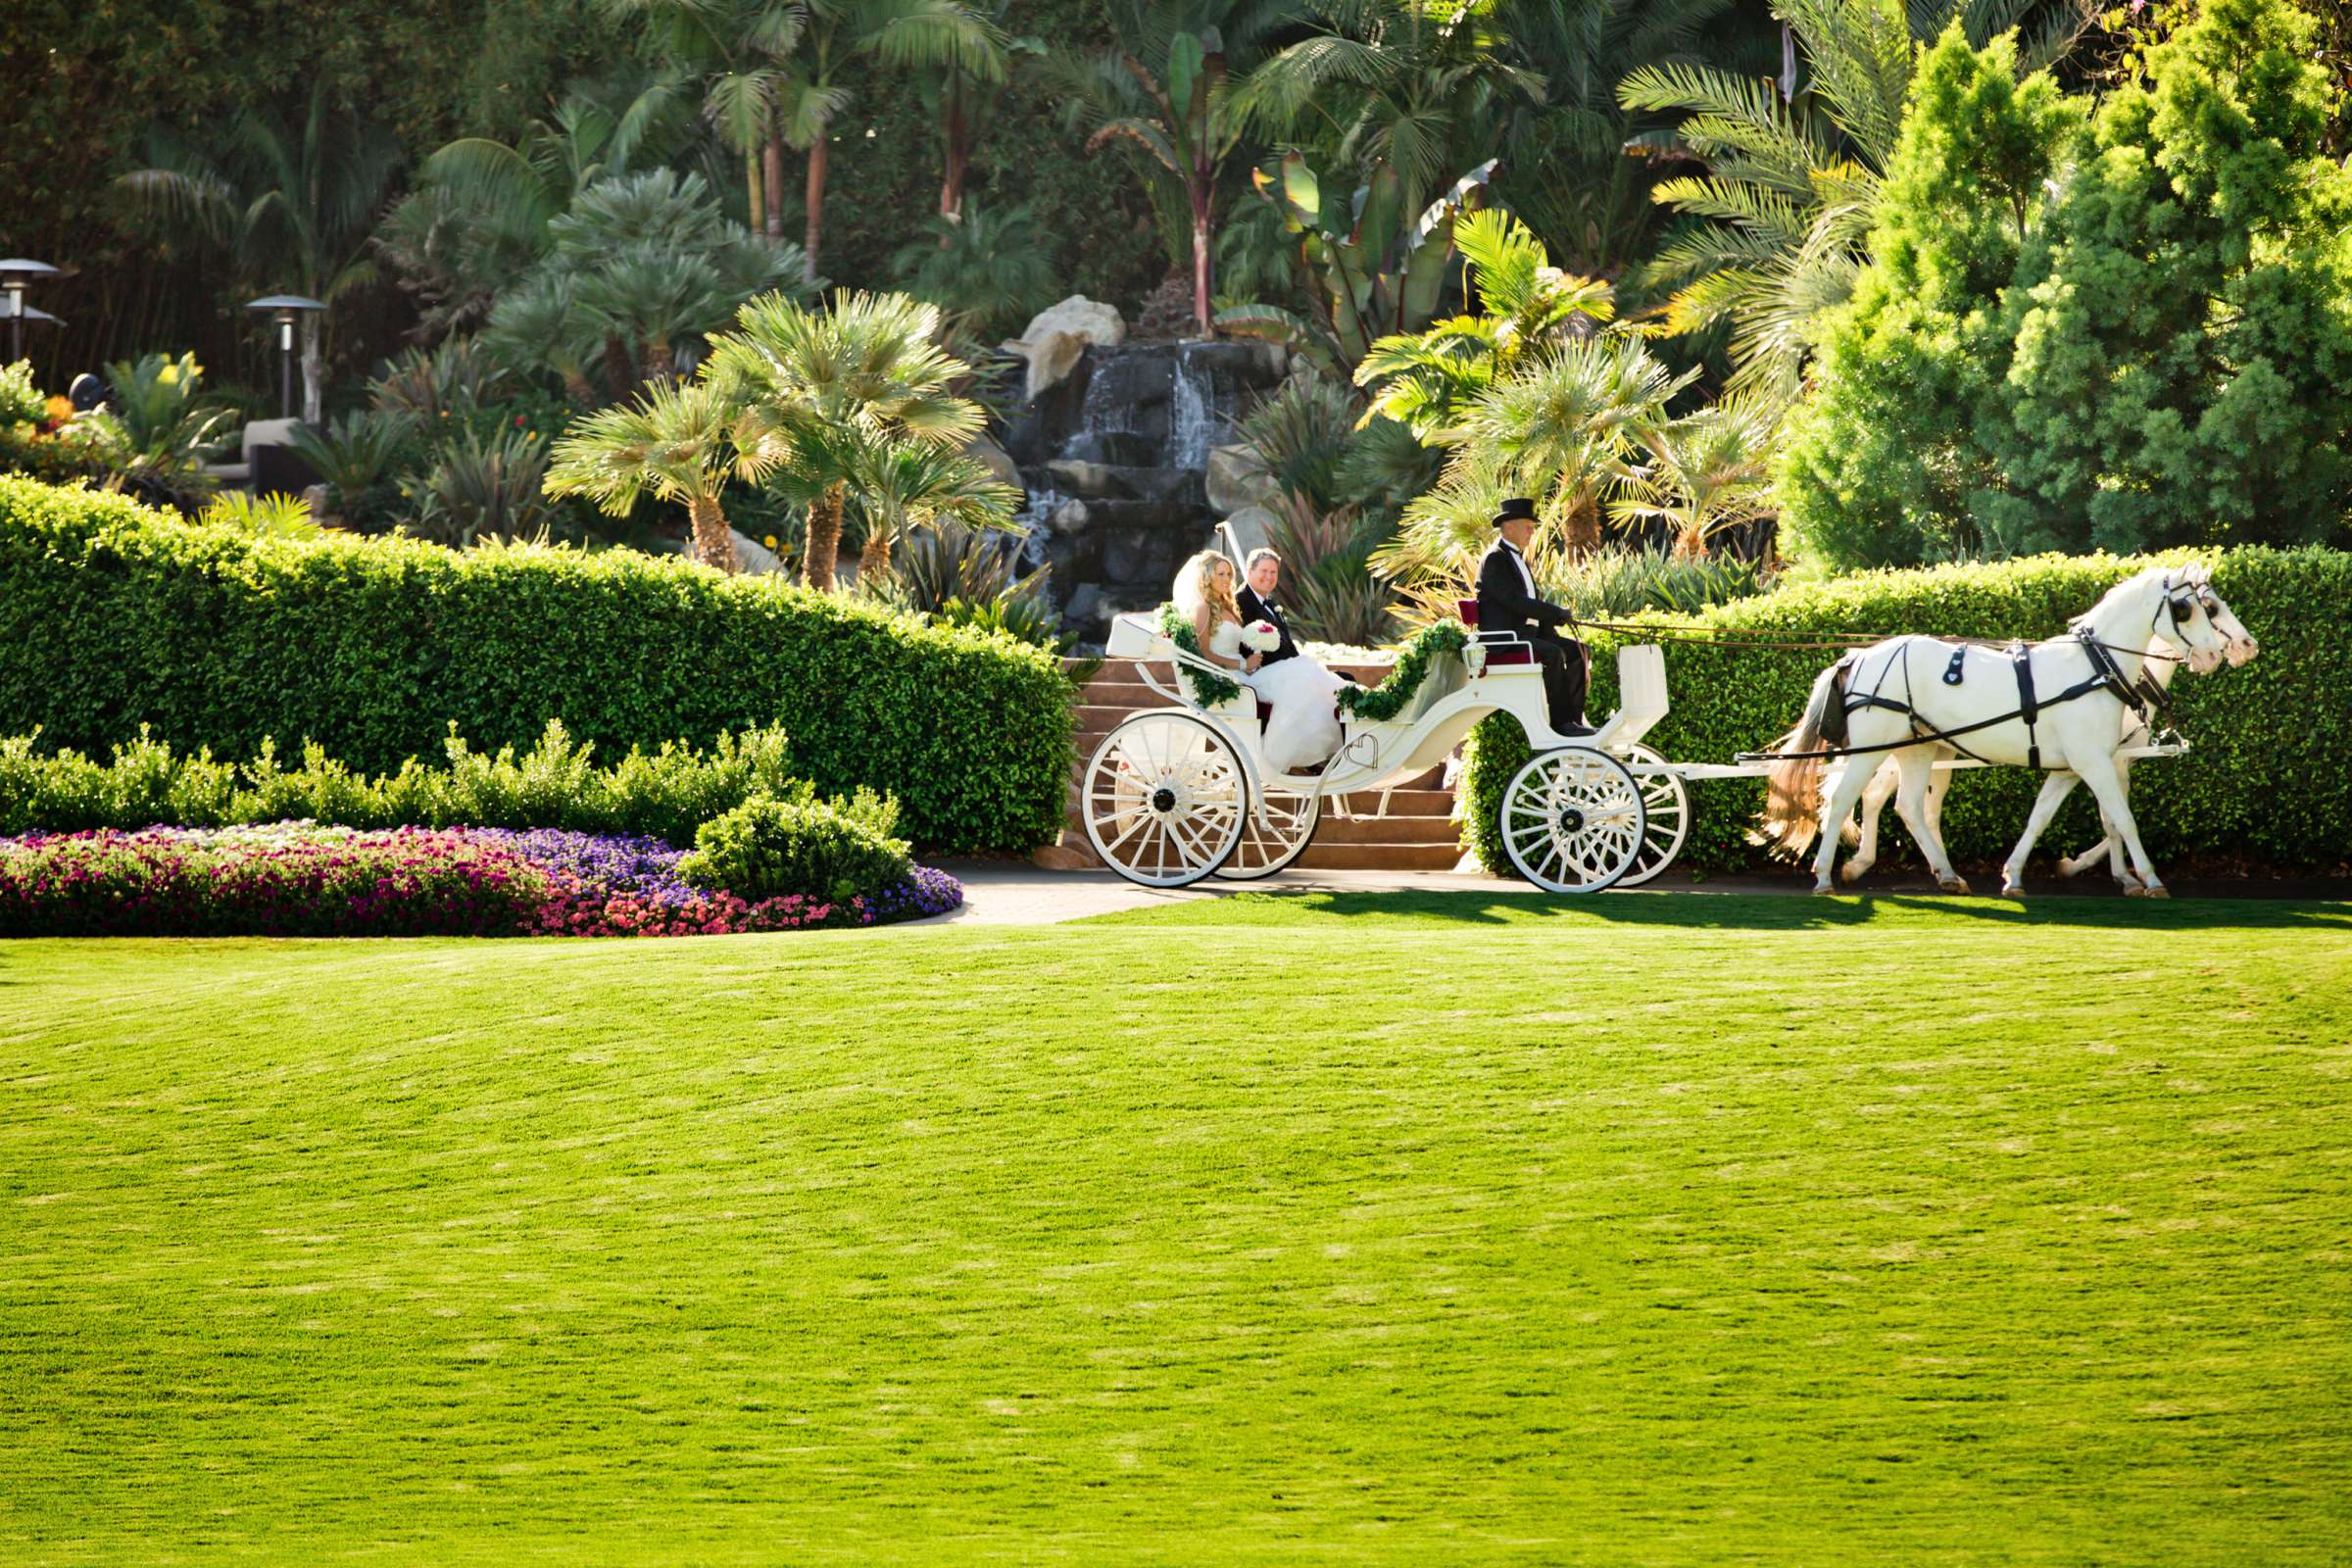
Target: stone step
{"type": "Point", "coordinates": [1320, 855]}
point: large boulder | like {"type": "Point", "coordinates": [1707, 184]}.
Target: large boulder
{"type": "Point", "coordinates": [754, 557]}
{"type": "Point", "coordinates": [1237, 478]}
{"type": "Point", "coordinates": [1057, 335]}
{"type": "Point", "coordinates": [994, 458]}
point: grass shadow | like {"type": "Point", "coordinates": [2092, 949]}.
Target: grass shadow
{"type": "Point", "coordinates": [1745, 912]}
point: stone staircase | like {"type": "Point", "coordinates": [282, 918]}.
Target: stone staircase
{"type": "Point", "coordinates": [1418, 833]}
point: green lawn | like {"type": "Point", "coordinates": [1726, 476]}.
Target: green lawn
{"type": "Point", "coordinates": [1657, 1230]}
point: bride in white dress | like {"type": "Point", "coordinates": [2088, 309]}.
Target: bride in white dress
{"type": "Point", "coordinates": [1304, 728]}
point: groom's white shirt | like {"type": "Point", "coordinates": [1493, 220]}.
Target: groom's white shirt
{"type": "Point", "coordinates": [1526, 579]}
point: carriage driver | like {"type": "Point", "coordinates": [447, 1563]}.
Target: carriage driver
{"type": "Point", "coordinates": [1509, 607]}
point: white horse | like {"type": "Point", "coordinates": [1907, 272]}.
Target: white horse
{"type": "Point", "coordinates": [2238, 646]}
{"type": "Point", "coordinates": [1894, 698]}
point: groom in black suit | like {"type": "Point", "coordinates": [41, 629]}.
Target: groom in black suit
{"type": "Point", "coordinates": [1261, 579]}
{"type": "Point", "coordinates": [1508, 607]}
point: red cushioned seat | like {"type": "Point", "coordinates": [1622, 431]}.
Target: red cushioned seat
{"type": "Point", "coordinates": [1521, 655]}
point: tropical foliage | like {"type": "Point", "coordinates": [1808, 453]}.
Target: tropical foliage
{"type": "Point", "coordinates": [2118, 335]}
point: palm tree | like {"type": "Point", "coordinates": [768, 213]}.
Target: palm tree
{"type": "Point", "coordinates": [294, 204]}
{"type": "Point", "coordinates": [1168, 91]}
{"type": "Point", "coordinates": [828, 392]}
{"type": "Point", "coordinates": [638, 268]}
{"type": "Point", "coordinates": [1559, 429]}
{"type": "Point", "coordinates": [480, 209]}
{"type": "Point", "coordinates": [1420, 87]}
{"type": "Point", "coordinates": [905, 485]}
{"type": "Point", "coordinates": [1567, 176]}
{"type": "Point", "coordinates": [1425, 380]}
{"type": "Point", "coordinates": [678, 441]}
{"type": "Point", "coordinates": [1708, 471]}
{"type": "Point", "coordinates": [1791, 178]}
{"type": "Point", "coordinates": [737, 50]}
{"type": "Point", "coordinates": [904, 34]}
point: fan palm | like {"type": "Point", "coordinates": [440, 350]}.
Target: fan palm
{"type": "Point", "coordinates": [1790, 182]}
{"type": "Point", "coordinates": [905, 484]}
{"type": "Point", "coordinates": [1559, 429]}
{"type": "Point", "coordinates": [677, 442]}
{"type": "Point", "coordinates": [828, 392]}
{"type": "Point", "coordinates": [480, 212]}
{"type": "Point", "coordinates": [639, 267]}
{"type": "Point", "coordinates": [295, 204]}
{"type": "Point", "coordinates": [1708, 471]}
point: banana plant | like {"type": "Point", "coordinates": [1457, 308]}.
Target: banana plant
{"type": "Point", "coordinates": [1188, 122]}
{"type": "Point", "coordinates": [1382, 270]}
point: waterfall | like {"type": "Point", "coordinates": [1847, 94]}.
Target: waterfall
{"type": "Point", "coordinates": [1194, 426]}
{"type": "Point", "coordinates": [1036, 520]}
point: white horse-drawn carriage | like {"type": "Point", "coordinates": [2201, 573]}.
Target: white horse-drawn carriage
{"type": "Point", "coordinates": [1179, 793]}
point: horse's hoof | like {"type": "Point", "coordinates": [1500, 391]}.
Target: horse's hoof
{"type": "Point", "coordinates": [1821, 888]}
{"type": "Point", "coordinates": [2012, 890]}
{"type": "Point", "coordinates": [1848, 873]}
{"type": "Point", "coordinates": [1953, 884]}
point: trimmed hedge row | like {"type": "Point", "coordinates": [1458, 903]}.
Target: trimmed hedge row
{"type": "Point", "coordinates": [2268, 780]}
{"type": "Point", "coordinates": [113, 617]}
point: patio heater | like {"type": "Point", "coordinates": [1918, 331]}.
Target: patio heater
{"type": "Point", "coordinates": [285, 310]}
{"type": "Point", "coordinates": [15, 276]}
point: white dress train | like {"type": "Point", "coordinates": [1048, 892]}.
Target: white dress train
{"type": "Point", "coordinates": [1303, 728]}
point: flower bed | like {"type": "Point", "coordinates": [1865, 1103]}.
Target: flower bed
{"type": "Point", "coordinates": [300, 879]}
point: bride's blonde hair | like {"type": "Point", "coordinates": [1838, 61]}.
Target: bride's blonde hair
{"type": "Point", "coordinates": [1196, 584]}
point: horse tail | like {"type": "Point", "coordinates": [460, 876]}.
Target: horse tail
{"type": "Point", "coordinates": [1792, 786]}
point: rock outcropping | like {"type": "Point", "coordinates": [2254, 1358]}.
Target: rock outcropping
{"type": "Point", "coordinates": [1115, 457]}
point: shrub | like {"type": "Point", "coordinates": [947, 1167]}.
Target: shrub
{"type": "Point", "coordinates": [2264, 781]}
{"type": "Point", "coordinates": [112, 615]}
{"type": "Point", "coordinates": [665, 794]}
{"type": "Point", "coordinates": [769, 849]}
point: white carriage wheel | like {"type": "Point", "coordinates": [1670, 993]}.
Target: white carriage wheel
{"type": "Point", "coordinates": [1290, 826]}
{"type": "Point", "coordinates": [1164, 799]}
{"type": "Point", "coordinates": [1665, 819]}
{"type": "Point", "coordinates": [1572, 819]}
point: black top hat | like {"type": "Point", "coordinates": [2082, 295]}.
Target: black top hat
{"type": "Point", "coordinates": [1517, 507]}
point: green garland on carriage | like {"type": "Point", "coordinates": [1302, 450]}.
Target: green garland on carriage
{"type": "Point", "coordinates": [1413, 663]}
{"type": "Point", "coordinates": [1369, 702]}
{"type": "Point", "coordinates": [1209, 691]}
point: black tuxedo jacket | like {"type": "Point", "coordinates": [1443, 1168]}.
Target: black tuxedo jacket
{"type": "Point", "coordinates": [1256, 608]}
{"type": "Point", "coordinates": [1504, 606]}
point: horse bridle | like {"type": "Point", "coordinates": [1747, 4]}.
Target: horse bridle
{"type": "Point", "coordinates": [2184, 602]}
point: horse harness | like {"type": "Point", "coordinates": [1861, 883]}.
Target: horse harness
{"type": "Point", "coordinates": [2145, 697]}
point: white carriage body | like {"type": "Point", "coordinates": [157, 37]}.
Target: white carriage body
{"type": "Point", "coordinates": [1378, 755]}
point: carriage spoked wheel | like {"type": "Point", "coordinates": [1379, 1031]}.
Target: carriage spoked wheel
{"type": "Point", "coordinates": [1573, 820]}
{"type": "Point", "coordinates": [1266, 848]}
{"type": "Point", "coordinates": [1665, 819]}
{"type": "Point", "coordinates": [1163, 799]}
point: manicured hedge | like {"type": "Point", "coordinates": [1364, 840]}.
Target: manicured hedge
{"type": "Point", "coordinates": [113, 617]}
{"type": "Point", "coordinates": [2268, 782]}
